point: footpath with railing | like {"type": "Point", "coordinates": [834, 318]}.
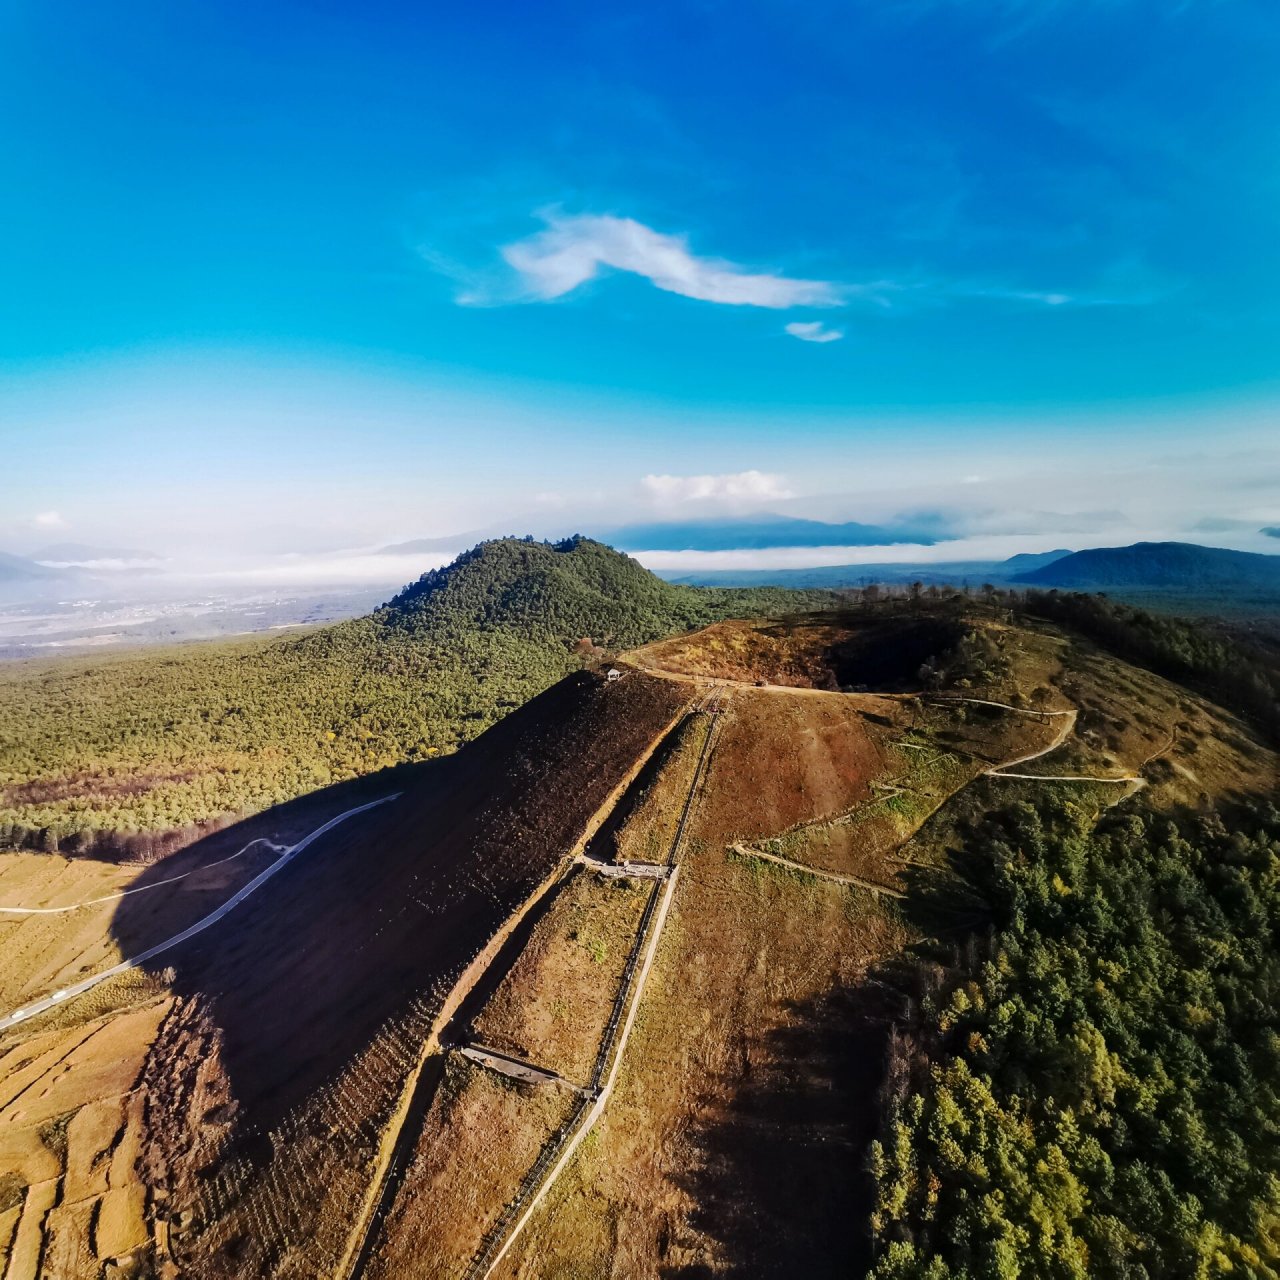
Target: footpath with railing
{"type": "Point", "coordinates": [559, 1148]}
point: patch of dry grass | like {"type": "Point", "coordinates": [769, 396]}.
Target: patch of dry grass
{"type": "Point", "coordinates": [481, 1135]}
{"type": "Point", "coordinates": [551, 1008]}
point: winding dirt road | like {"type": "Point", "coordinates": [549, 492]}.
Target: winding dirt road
{"type": "Point", "coordinates": [124, 893]}
{"type": "Point", "coordinates": [1002, 770]}
{"type": "Point", "coordinates": [132, 962]}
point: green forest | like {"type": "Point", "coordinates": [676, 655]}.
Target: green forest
{"type": "Point", "coordinates": [1084, 1082]}
{"type": "Point", "coordinates": [98, 755]}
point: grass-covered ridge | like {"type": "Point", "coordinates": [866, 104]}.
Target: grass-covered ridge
{"type": "Point", "coordinates": [103, 752]}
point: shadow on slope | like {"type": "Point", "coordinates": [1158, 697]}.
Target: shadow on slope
{"type": "Point", "coordinates": [782, 1184]}
{"type": "Point", "coordinates": [394, 903]}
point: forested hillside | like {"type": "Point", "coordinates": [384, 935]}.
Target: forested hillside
{"type": "Point", "coordinates": [1085, 1084]}
{"type": "Point", "coordinates": [103, 753]}
{"type": "Point", "coordinates": [1239, 670]}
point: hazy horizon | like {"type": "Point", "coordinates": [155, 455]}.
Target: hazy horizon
{"type": "Point", "coordinates": [990, 264]}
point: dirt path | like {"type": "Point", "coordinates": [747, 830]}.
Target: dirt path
{"type": "Point", "coordinates": [556, 1155]}
{"type": "Point", "coordinates": [395, 1148]}
{"type": "Point", "coordinates": [132, 962]}
{"type": "Point", "coordinates": [1003, 770]}
{"type": "Point", "coordinates": [487, 1261]}
{"type": "Point", "coordinates": [1068, 717]}
{"type": "Point", "coordinates": [745, 851]}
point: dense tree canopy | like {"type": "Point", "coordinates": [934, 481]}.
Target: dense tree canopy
{"type": "Point", "coordinates": [1090, 1084]}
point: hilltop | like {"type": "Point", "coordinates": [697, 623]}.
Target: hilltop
{"type": "Point", "coordinates": [673, 934]}
{"type": "Point", "coordinates": [574, 588]}
{"type": "Point", "coordinates": [138, 752]}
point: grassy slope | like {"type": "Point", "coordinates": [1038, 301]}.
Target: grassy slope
{"type": "Point", "coordinates": [163, 739]}
{"type": "Point", "coordinates": [737, 1139]}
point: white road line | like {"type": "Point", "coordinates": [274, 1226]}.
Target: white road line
{"type": "Point", "coordinates": [155, 884]}
{"type": "Point", "coordinates": [87, 984]}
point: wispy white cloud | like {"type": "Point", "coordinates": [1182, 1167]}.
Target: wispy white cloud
{"type": "Point", "coordinates": [575, 249]}
{"type": "Point", "coordinates": [572, 250]}
{"type": "Point", "coordinates": [1102, 297]}
{"type": "Point", "coordinates": [813, 331]}
{"type": "Point", "coordinates": [736, 486]}
{"type": "Point", "coordinates": [48, 520]}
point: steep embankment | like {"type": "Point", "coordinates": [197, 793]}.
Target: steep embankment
{"type": "Point", "coordinates": [284, 1034]}
{"type": "Point", "coordinates": [371, 935]}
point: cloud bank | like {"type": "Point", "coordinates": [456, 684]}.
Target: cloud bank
{"type": "Point", "coordinates": [574, 250]}
{"type": "Point", "coordinates": [736, 486]}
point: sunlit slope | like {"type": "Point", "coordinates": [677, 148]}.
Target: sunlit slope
{"type": "Point", "coordinates": [737, 1139]}
{"type": "Point", "coordinates": [290, 1093]}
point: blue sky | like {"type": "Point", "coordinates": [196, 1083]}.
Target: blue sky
{"type": "Point", "coordinates": [307, 276]}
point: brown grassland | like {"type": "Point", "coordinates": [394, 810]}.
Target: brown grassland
{"type": "Point", "coordinates": [231, 1109]}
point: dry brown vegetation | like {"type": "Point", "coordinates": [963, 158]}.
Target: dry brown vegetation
{"type": "Point", "coordinates": [551, 1008]}
{"type": "Point", "coordinates": [71, 1127]}
{"type": "Point", "coordinates": [226, 1113]}
{"type": "Point", "coordinates": [729, 1137]}
{"type": "Point", "coordinates": [736, 1140]}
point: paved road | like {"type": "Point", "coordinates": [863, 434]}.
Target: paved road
{"type": "Point", "coordinates": [79, 988]}
{"type": "Point", "coordinates": [155, 884]}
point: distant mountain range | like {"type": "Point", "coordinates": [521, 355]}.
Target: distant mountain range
{"type": "Point", "coordinates": [1159, 567]}
{"type": "Point", "coordinates": [22, 569]}
{"type": "Point", "coordinates": [957, 573]}
{"type": "Point", "coordinates": [1145, 567]}
{"type": "Point", "coordinates": [758, 531]}
{"type": "Point", "coordinates": [1180, 566]}
{"type": "Point", "coordinates": [80, 553]}
{"type": "Point", "coordinates": [752, 532]}
{"type": "Point", "coordinates": [68, 565]}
